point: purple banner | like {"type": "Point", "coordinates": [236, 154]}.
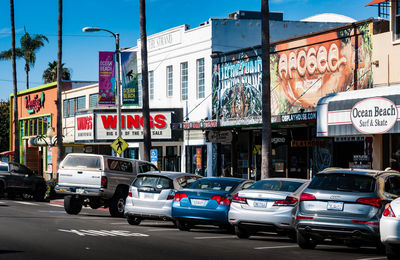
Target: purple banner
{"type": "Point", "coordinates": [106, 78]}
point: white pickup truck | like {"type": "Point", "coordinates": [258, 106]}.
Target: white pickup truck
{"type": "Point", "coordinates": [97, 180]}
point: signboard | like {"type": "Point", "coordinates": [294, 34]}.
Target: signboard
{"type": "Point", "coordinates": [84, 129]}
{"type": "Point", "coordinates": [34, 105]}
{"type": "Point", "coordinates": [106, 78]}
{"type": "Point", "coordinates": [132, 125]}
{"type": "Point", "coordinates": [299, 117]}
{"type": "Point", "coordinates": [374, 115]}
{"type": "Point", "coordinates": [224, 137]}
{"type": "Point", "coordinates": [198, 158]}
{"type": "Point", "coordinates": [130, 94]}
{"type": "Point", "coordinates": [119, 145]}
{"type": "Point", "coordinates": [154, 156]}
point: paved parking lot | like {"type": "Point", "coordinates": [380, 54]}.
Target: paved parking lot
{"type": "Point", "coordinates": [32, 230]}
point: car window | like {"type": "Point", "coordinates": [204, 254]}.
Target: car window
{"type": "Point", "coordinates": [214, 184]}
{"type": "Point", "coordinates": [247, 185]}
{"type": "Point", "coordinates": [83, 162]}
{"type": "Point", "coordinates": [185, 181]}
{"type": "Point", "coordinates": [153, 182]}
{"type": "Point", "coordinates": [119, 165]}
{"type": "Point", "coordinates": [4, 167]}
{"type": "Point", "coordinates": [343, 182]}
{"type": "Point", "coordinates": [146, 167]}
{"type": "Point", "coordinates": [392, 185]}
{"type": "Point", "coordinates": [276, 185]}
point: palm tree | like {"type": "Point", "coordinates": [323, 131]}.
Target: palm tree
{"type": "Point", "coordinates": [14, 66]}
{"type": "Point", "coordinates": [266, 150]}
{"type": "Point", "coordinates": [50, 74]}
{"type": "Point", "coordinates": [59, 86]}
{"type": "Point", "coordinates": [28, 49]}
{"type": "Point", "coordinates": [145, 82]}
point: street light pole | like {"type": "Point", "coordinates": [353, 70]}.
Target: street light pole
{"type": "Point", "coordinates": [118, 76]}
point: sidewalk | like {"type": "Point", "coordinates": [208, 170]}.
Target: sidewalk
{"type": "Point", "coordinates": [61, 202]}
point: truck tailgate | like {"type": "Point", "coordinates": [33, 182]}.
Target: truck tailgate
{"type": "Point", "coordinates": [80, 178]}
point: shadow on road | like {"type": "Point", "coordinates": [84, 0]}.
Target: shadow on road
{"type": "Point", "coordinates": [2, 252]}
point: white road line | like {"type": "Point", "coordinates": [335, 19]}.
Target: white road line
{"type": "Point", "coordinates": [162, 229]}
{"type": "Point", "coordinates": [274, 247]}
{"type": "Point", "coordinates": [214, 237]}
{"type": "Point", "coordinates": [120, 223]}
{"type": "Point", "coordinates": [373, 258]}
{"type": "Point", "coordinates": [1, 202]}
{"type": "Point", "coordinates": [26, 203]}
{"type": "Point", "coordinates": [56, 205]}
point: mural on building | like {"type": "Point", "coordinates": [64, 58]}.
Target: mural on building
{"type": "Point", "coordinates": [302, 71]}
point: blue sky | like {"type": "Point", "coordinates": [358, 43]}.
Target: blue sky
{"type": "Point", "coordinates": [80, 50]}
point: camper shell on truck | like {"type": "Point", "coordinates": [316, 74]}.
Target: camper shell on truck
{"type": "Point", "coordinates": [97, 181]}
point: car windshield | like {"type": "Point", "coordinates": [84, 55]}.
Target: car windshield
{"type": "Point", "coordinates": [3, 167]}
{"type": "Point", "coordinates": [82, 162]}
{"type": "Point", "coordinates": [276, 185]}
{"type": "Point", "coordinates": [153, 182]}
{"type": "Point", "coordinates": [343, 182]}
{"type": "Point", "coordinates": [215, 184]}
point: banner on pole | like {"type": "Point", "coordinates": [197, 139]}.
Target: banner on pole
{"type": "Point", "coordinates": [106, 78]}
{"type": "Point", "coordinates": [129, 73]}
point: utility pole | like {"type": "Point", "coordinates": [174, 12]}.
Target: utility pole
{"type": "Point", "coordinates": [59, 86]}
{"type": "Point", "coordinates": [14, 66]}
{"type": "Point", "coordinates": [145, 82]}
{"type": "Point", "coordinates": [266, 154]}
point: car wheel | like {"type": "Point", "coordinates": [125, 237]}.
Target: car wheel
{"type": "Point", "coordinates": [11, 195]}
{"type": "Point", "coordinates": [292, 236]}
{"type": "Point", "coordinates": [241, 232]}
{"type": "Point", "coordinates": [1, 191]}
{"type": "Point", "coordinates": [305, 242]}
{"type": "Point", "coordinates": [134, 220]}
{"type": "Point", "coordinates": [117, 204]}
{"type": "Point", "coordinates": [183, 226]}
{"type": "Point", "coordinates": [392, 252]}
{"type": "Point", "coordinates": [39, 194]}
{"type": "Point", "coordinates": [72, 205]}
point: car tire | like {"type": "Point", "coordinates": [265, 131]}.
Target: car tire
{"type": "Point", "coordinates": [292, 236]}
{"type": "Point", "coordinates": [72, 205]}
{"type": "Point", "coordinates": [133, 220]}
{"type": "Point", "coordinates": [39, 193]}
{"type": "Point", "coordinates": [117, 204]}
{"type": "Point", "coordinates": [392, 252]}
{"type": "Point", "coordinates": [241, 232]}
{"type": "Point", "coordinates": [183, 226]}
{"type": "Point", "coordinates": [305, 242]}
{"type": "Point", "coordinates": [1, 190]}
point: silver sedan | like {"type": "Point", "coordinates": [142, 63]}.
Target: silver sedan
{"type": "Point", "coordinates": [267, 205]}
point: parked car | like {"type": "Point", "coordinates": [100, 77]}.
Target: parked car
{"type": "Point", "coordinates": [150, 195]}
{"type": "Point", "coordinates": [17, 179]}
{"type": "Point", "coordinates": [267, 205]}
{"type": "Point", "coordinates": [344, 204]}
{"type": "Point", "coordinates": [389, 227]}
{"type": "Point", "coordinates": [206, 201]}
{"type": "Point", "coordinates": [97, 180]}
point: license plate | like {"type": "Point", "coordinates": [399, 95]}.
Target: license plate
{"type": "Point", "coordinates": [260, 204]}
{"type": "Point", "coordinates": [63, 190]}
{"type": "Point", "coordinates": [197, 202]}
{"type": "Point", "coordinates": [148, 195]}
{"type": "Point", "coordinates": [334, 205]}
{"type": "Point", "coordinates": [80, 191]}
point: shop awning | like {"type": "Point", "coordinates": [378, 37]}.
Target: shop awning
{"type": "Point", "coordinates": [375, 2]}
{"type": "Point", "coordinates": [359, 112]}
{"type": "Point", "coordinates": [7, 153]}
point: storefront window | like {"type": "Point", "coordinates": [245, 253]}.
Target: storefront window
{"type": "Point", "coordinates": [172, 159]}
{"type": "Point", "coordinates": [395, 158]}
{"type": "Point", "coordinates": [196, 159]}
{"type": "Point", "coordinates": [34, 126]}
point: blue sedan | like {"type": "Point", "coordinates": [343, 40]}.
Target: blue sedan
{"type": "Point", "coordinates": [206, 201]}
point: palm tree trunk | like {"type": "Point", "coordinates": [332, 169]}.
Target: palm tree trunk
{"type": "Point", "coordinates": [27, 74]}
{"type": "Point", "coordinates": [59, 87]}
{"type": "Point", "coordinates": [266, 161]}
{"type": "Point", "coordinates": [145, 82]}
{"type": "Point", "coordinates": [15, 103]}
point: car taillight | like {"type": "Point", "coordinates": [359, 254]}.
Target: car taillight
{"type": "Point", "coordinates": [289, 201]}
{"type": "Point", "coordinates": [303, 217]}
{"type": "Point", "coordinates": [57, 178]}
{"type": "Point", "coordinates": [130, 194]}
{"type": "Point", "coordinates": [221, 200]}
{"type": "Point", "coordinates": [179, 196]}
{"type": "Point", "coordinates": [103, 181]}
{"type": "Point", "coordinates": [376, 202]}
{"type": "Point", "coordinates": [237, 199]}
{"type": "Point", "coordinates": [388, 212]}
{"type": "Point", "coordinates": [306, 196]}
{"type": "Point", "coordinates": [375, 223]}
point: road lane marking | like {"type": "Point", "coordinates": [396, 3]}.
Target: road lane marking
{"type": "Point", "coordinates": [26, 203]}
{"type": "Point", "coordinates": [162, 229]}
{"type": "Point", "coordinates": [120, 223]}
{"type": "Point", "coordinates": [214, 237]}
{"type": "Point", "coordinates": [1, 202]}
{"type": "Point", "coordinates": [373, 258]}
{"type": "Point", "coordinates": [56, 205]}
{"type": "Point", "coordinates": [111, 233]}
{"type": "Point", "coordinates": [274, 247]}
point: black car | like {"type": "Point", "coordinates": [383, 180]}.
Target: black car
{"type": "Point", "coordinates": [17, 179]}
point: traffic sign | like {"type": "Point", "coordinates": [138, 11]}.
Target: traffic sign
{"type": "Point", "coordinates": [119, 145]}
{"type": "Point", "coordinates": [153, 156]}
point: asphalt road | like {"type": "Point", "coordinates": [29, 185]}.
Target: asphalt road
{"type": "Point", "coordinates": [40, 230]}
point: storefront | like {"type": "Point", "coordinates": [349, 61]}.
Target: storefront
{"type": "Point", "coordinates": [37, 124]}
{"type": "Point", "coordinates": [96, 129]}
{"type": "Point", "coordinates": [369, 121]}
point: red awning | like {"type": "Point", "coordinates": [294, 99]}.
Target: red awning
{"type": "Point", "coordinates": [7, 153]}
{"type": "Point", "coordinates": [375, 2]}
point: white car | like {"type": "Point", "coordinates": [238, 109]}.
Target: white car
{"type": "Point", "coordinates": [389, 227]}
{"type": "Point", "coordinates": [267, 205]}
{"type": "Point", "coordinates": [150, 195]}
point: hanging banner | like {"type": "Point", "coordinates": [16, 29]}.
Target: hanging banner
{"type": "Point", "coordinates": [106, 78]}
{"type": "Point", "coordinates": [129, 79]}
